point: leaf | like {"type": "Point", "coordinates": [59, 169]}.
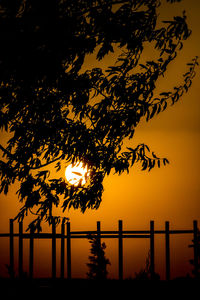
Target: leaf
{"type": "Point", "coordinates": [148, 115]}
{"type": "Point", "coordinates": [165, 161]}
{"type": "Point", "coordinates": [6, 189]}
{"type": "Point", "coordinates": [143, 66]}
{"type": "Point", "coordinates": [153, 154]}
{"type": "Point", "coordinates": [131, 149]}
{"type": "Point", "coordinates": [159, 108]}
{"type": "Point", "coordinates": [164, 106]}
{"type": "Point", "coordinates": [153, 111]}
{"type": "Point", "coordinates": [144, 165]}
{"type": "Point", "coordinates": [186, 87]}
{"type": "Point", "coordinates": [133, 158]}
{"type": "Point", "coordinates": [147, 148]}
{"type": "Point", "coordinates": [132, 134]}
{"type": "Point", "coordinates": [43, 174]}
{"type": "Point", "coordinates": [165, 94]}
{"type": "Point", "coordinates": [58, 166]}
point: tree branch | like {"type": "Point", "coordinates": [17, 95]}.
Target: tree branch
{"type": "Point", "coordinates": [46, 164]}
{"type": "Point", "coordinates": [6, 151]}
{"type": "Point", "coordinates": [33, 168]}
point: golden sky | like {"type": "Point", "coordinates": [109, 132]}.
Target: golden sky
{"type": "Point", "coordinates": [169, 193]}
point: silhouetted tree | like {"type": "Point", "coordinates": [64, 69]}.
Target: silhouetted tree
{"type": "Point", "coordinates": [196, 269]}
{"type": "Point", "coordinates": [55, 111]}
{"type": "Point", "coordinates": [98, 261]}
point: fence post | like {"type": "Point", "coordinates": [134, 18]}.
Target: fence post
{"type": "Point", "coordinates": [53, 249]}
{"type": "Point", "coordinates": [167, 250]}
{"type": "Point", "coordinates": [62, 247]}
{"type": "Point", "coordinates": [152, 264]}
{"type": "Point", "coordinates": [20, 249]}
{"type": "Point", "coordinates": [195, 238]}
{"type": "Point", "coordinates": [31, 253]}
{"type": "Point", "coordinates": [68, 251]}
{"type": "Point", "coordinates": [120, 228]}
{"type": "Point", "coordinates": [99, 232]}
{"type": "Point", "coordinates": [11, 267]}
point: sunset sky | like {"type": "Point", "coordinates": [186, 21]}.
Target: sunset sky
{"type": "Point", "coordinates": [170, 193]}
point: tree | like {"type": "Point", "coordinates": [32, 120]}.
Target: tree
{"type": "Point", "coordinates": [196, 264]}
{"type": "Point", "coordinates": [54, 113]}
{"type": "Point", "coordinates": [98, 261]}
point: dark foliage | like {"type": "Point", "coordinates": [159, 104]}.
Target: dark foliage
{"type": "Point", "coordinates": [55, 113]}
{"type": "Point", "coordinates": [145, 273]}
{"type": "Point", "coordinates": [98, 261]}
{"type": "Point", "coordinates": [196, 269]}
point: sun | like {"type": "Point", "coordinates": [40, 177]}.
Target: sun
{"type": "Point", "coordinates": [77, 174]}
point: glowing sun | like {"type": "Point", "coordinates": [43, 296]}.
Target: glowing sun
{"type": "Point", "coordinates": [77, 174]}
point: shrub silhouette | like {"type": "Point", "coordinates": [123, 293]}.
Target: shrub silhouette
{"type": "Point", "coordinates": [145, 273]}
{"type": "Point", "coordinates": [98, 261]}
{"type": "Point", "coordinates": [196, 269]}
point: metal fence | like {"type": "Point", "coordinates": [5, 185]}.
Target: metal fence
{"type": "Point", "coordinates": [120, 234]}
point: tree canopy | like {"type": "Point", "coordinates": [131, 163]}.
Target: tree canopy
{"type": "Point", "coordinates": [54, 112]}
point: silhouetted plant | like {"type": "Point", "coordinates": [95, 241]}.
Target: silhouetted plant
{"type": "Point", "coordinates": [54, 110]}
{"type": "Point", "coordinates": [98, 261]}
{"type": "Point", "coordinates": [196, 269]}
{"type": "Point", "coordinates": [145, 273]}
{"type": "Point", "coordinates": [10, 270]}
{"type": "Point", "coordinates": [12, 273]}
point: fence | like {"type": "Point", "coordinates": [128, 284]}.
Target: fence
{"type": "Point", "coordinates": [120, 234]}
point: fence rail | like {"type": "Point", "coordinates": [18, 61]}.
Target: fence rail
{"type": "Point", "coordinates": [119, 234]}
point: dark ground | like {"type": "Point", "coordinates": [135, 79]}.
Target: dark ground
{"type": "Point", "coordinates": [93, 289]}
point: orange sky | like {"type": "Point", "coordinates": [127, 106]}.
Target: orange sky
{"type": "Point", "coordinates": [170, 193]}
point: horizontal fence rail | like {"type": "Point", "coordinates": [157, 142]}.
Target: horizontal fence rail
{"type": "Point", "coordinates": [67, 235]}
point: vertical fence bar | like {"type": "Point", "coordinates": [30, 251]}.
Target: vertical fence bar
{"type": "Point", "coordinates": [120, 228]}
{"type": "Point", "coordinates": [53, 249]}
{"type": "Point", "coordinates": [167, 250]}
{"type": "Point", "coordinates": [99, 231]}
{"type": "Point", "coordinates": [152, 254]}
{"type": "Point", "coordinates": [11, 267]}
{"type": "Point", "coordinates": [195, 239]}
{"type": "Point", "coordinates": [20, 249]}
{"type": "Point", "coordinates": [31, 253]}
{"type": "Point", "coordinates": [62, 249]}
{"type": "Point", "coordinates": [68, 251]}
